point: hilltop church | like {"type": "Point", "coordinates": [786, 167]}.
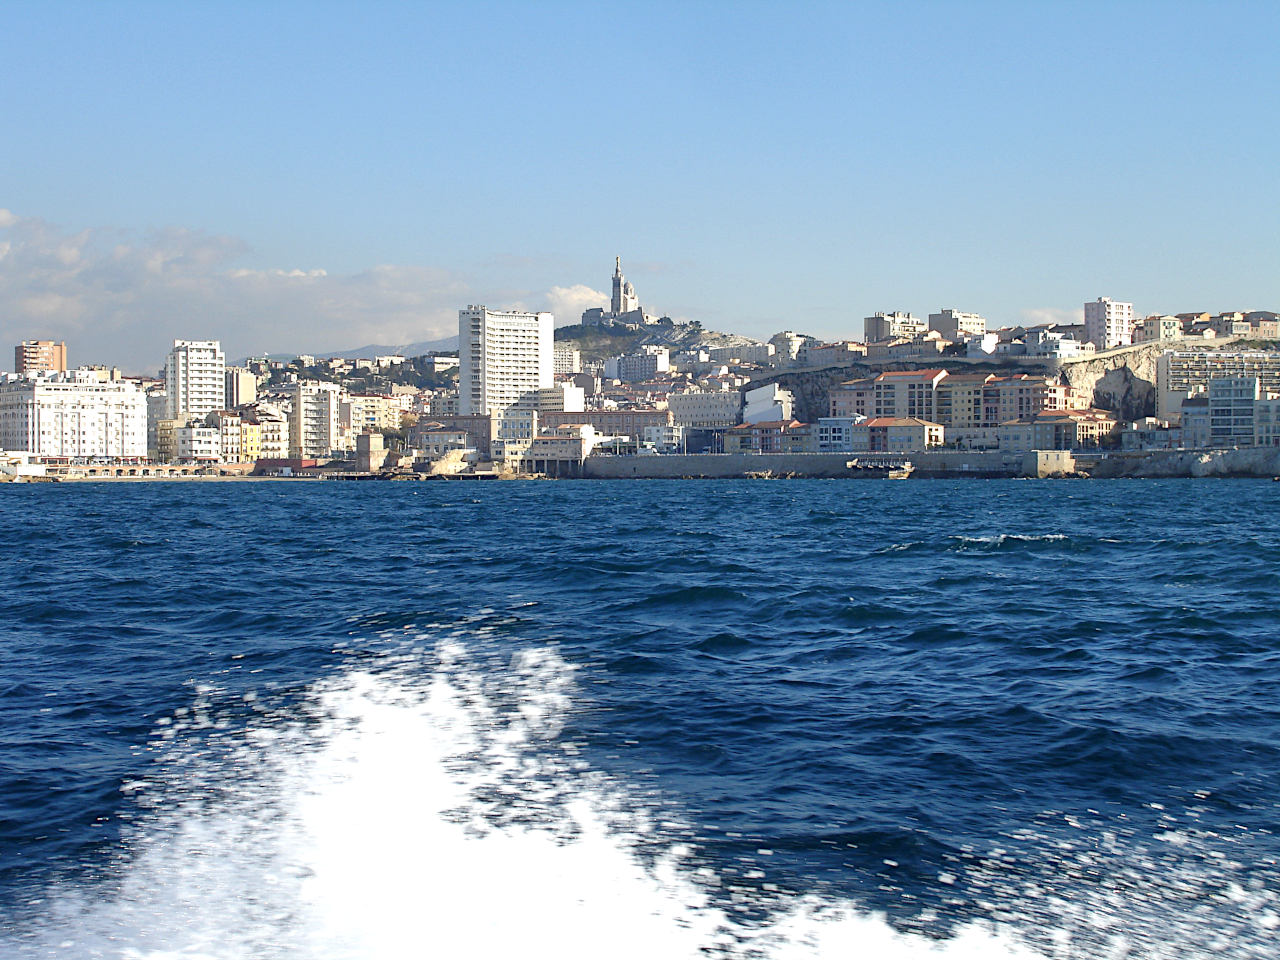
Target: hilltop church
{"type": "Point", "coordinates": [624, 306]}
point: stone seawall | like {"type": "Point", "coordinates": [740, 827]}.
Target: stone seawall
{"type": "Point", "coordinates": [730, 465]}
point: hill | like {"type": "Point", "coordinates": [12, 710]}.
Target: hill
{"type": "Point", "coordinates": [600, 343]}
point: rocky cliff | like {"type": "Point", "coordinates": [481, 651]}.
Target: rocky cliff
{"type": "Point", "coordinates": [1123, 381]}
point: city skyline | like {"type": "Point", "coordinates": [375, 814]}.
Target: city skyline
{"type": "Point", "coordinates": [296, 180]}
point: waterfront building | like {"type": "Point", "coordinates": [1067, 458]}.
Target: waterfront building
{"type": "Point", "coordinates": [705, 408]}
{"type": "Point", "coordinates": [666, 438]}
{"type": "Point", "coordinates": [1231, 409]}
{"type": "Point", "coordinates": [560, 451]}
{"type": "Point", "coordinates": [907, 394]}
{"type": "Point", "coordinates": [506, 358]}
{"type": "Point", "coordinates": [196, 443]}
{"type": "Point", "coordinates": [960, 401]}
{"type": "Point", "coordinates": [165, 446]}
{"type": "Point", "coordinates": [273, 433]}
{"type": "Point", "coordinates": [1195, 422]}
{"type": "Point", "coordinates": [954, 325]}
{"type": "Point", "coordinates": [1108, 323]}
{"type": "Point", "coordinates": [251, 439]}
{"type": "Point", "coordinates": [1150, 433]}
{"type": "Point", "coordinates": [769, 436]}
{"type": "Point", "coordinates": [1185, 373]}
{"type": "Point", "coordinates": [72, 415]}
{"type": "Point", "coordinates": [314, 422]}
{"type": "Point", "coordinates": [895, 435]}
{"type": "Point", "coordinates": [230, 435]}
{"type": "Point", "coordinates": [1266, 421]}
{"type": "Point", "coordinates": [891, 326]}
{"type": "Point", "coordinates": [241, 387]}
{"type": "Point", "coordinates": [1071, 429]}
{"type": "Point", "coordinates": [835, 434]}
{"type": "Point", "coordinates": [195, 378]}
{"type": "Point", "coordinates": [853, 398]}
{"type": "Point", "coordinates": [40, 356]}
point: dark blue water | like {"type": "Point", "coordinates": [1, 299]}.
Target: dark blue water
{"type": "Point", "coordinates": [1051, 709]}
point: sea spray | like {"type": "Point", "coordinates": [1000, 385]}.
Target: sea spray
{"type": "Point", "coordinates": [388, 814]}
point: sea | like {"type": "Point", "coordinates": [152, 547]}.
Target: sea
{"type": "Point", "coordinates": [640, 719]}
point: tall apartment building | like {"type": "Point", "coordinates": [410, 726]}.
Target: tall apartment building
{"type": "Point", "coordinates": [313, 426]}
{"type": "Point", "coordinates": [36, 356]}
{"type": "Point", "coordinates": [1186, 373]}
{"type": "Point", "coordinates": [907, 394]}
{"type": "Point", "coordinates": [195, 378]}
{"type": "Point", "coordinates": [73, 415]}
{"type": "Point", "coordinates": [505, 358]}
{"type": "Point", "coordinates": [954, 325]}
{"type": "Point", "coordinates": [1108, 323]}
{"type": "Point", "coordinates": [242, 386]}
{"type": "Point", "coordinates": [890, 326]}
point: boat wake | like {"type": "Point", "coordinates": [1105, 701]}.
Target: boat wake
{"type": "Point", "coordinates": [394, 814]}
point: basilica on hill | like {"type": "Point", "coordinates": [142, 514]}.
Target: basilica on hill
{"type": "Point", "coordinates": [624, 306]}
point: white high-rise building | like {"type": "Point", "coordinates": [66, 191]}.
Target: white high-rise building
{"type": "Point", "coordinates": [313, 426]}
{"type": "Point", "coordinates": [73, 415]}
{"type": "Point", "coordinates": [1108, 323]}
{"type": "Point", "coordinates": [195, 378]}
{"type": "Point", "coordinates": [505, 358]}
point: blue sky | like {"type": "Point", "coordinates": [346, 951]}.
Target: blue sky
{"type": "Point", "coordinates": [319, 176]}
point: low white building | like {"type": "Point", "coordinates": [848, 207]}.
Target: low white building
{"type": "Point", "coordinates": [835, 434]}
{"type": "Point", "coordinates": [768, 404]}
{"type": "Point", "coordinates": [196, 443]}
{"type": "Point", "coordinates": [1049, 343]}
{"type": "Point", "coordinates": [73, 415]}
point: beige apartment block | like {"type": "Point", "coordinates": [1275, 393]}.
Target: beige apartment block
{"type": "Point", "coordinates": [40, 356]}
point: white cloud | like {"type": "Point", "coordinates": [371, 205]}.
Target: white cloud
{"type": "Point", "coordinates": [121, 300]}
{"type": "Point", "coordinates": [1034, 316]}
{"type": "Point", "coordinates": [567, 303]}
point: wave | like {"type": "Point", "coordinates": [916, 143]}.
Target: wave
{"type": "Point", "coordinates": [396, 812]}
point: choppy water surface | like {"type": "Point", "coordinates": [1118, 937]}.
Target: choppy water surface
{"type": "Point", "coordinates": [640, 719]}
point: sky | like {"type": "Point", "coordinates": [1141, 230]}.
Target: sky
{"type": "Point", "coordinates": [312, 177]}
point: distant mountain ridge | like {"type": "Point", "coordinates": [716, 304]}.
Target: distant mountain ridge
{"type": "Point", "coordinates": [372, 350]}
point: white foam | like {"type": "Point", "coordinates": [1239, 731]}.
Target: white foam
{"type": "Point", "coordinates": [396, 817]}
